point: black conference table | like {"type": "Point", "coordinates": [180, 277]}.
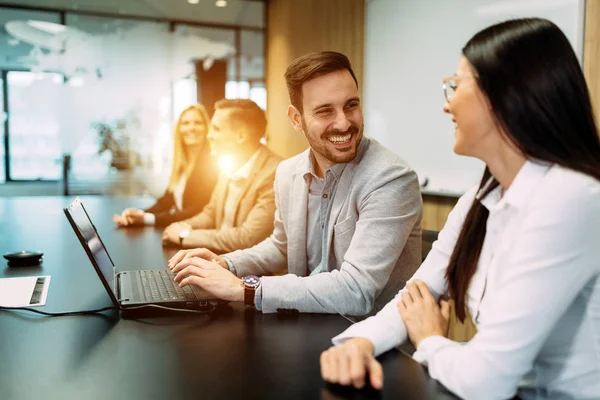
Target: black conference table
{"type": "Point", "coordinates": [230, 353]}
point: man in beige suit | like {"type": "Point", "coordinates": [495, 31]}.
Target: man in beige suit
{"type": "Point", "coordinates": [241, 210]}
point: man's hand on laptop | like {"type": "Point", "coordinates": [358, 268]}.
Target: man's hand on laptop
{"type": "Point", "coordinates": [211, 277]}
{"type": "Point", "coordinates": [176, 262]}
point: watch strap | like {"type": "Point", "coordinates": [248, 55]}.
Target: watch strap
{"type": "Point", "coordinates": [249, 293]}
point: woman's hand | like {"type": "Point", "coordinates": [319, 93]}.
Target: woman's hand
{"type": "Point", "coordinates": [421, 313]}
{"type": "Point", "coordinates": [349, 364]}
{"type": "Point", "coordinates": [129, 216]}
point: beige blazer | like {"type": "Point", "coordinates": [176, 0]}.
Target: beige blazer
{"type": "Point", "coordinates": [254, 211]}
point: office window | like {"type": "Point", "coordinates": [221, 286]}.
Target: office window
{"type": "Point", "coordinates": [237, 90]}
{"type": "Point", "coordinates": [185, 93]}
{"type": "Point", "coordinates": [252, 60]}
{"type": "Point", "coordinates": [247, 74]}
{"type": "Point", "coordinates": [218, 44]}
{"type": "Point", "coordinates": [258, 93]}
{"type": "Point", "coordinates": [110, 96]}
{"type": "Point", "coordinates": [34, 125]}
{"type": "Point", "coordinates": [15, 53]}
{"type": "Point", "coordinates": [253, 90]}
{"type": "Point", "coordinates": [126, 105]}
{"type": "Point", "coordinates": [2, 132]}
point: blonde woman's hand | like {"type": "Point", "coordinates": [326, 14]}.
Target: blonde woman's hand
{"type": "Point", "coordinates": [129, 216]}
{"type": "Point", "coordinates": [119, 220]}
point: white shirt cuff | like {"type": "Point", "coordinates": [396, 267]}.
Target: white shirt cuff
{"type": "Point", "coordinates": [258, 298]}
{"type": "Point", "coordinates": [149, 219]}
{"type": "Point", "coordinates": [230, 265]}
{"type": "Point", "coordinates": [428, 347]}
{"type": "Point", "coordinates": [382, 341]}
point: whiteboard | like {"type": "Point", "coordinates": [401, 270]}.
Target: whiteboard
{"type": "Point", "coordinates": [410, 46]}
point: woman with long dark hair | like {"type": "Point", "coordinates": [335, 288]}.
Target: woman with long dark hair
{"type": "Point", "coordinates": [521, 252]}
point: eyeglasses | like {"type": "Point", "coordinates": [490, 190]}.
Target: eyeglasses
{"type": "Point", "coordinates": [449, 85]}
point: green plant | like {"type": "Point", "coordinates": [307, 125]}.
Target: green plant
{"type": "Point", "coordinates": [116, 139]}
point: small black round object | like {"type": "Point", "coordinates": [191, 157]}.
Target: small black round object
{"type": "Point", "coordinates": [24, 258]}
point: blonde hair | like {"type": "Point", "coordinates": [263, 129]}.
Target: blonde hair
{"type": "Point", "coordinates": [183, 166]}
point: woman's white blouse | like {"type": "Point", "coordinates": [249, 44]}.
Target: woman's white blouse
{"type": "Point", "coordinates": [535, 297]}
{"type": "Point", "coordinates": [179, 190]}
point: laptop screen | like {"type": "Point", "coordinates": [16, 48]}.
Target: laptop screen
{"type": "Point", "coordinates": [95, 248]}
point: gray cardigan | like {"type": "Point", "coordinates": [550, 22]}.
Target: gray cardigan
{"type": "Point", "coordinates": [374, 237]}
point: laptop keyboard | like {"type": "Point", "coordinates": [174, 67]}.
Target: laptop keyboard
{"type": "Point", "coordinates": [159, 286]}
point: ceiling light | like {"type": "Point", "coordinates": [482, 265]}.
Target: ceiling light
{"type": "Point", "coordinates": [221, 3]}
{"type": "Point", "coordinates": [47, 26]}
{"type": "Point", "coordinates": [193, 1]}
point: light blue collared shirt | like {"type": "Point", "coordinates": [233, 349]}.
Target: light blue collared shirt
{"type": "Point", "coordinates": [321, 192]}
{"type": "Point", "coordinates": [320, 198]}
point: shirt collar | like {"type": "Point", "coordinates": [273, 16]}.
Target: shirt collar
{"type": "Point", "coordinates": [243, 172]}
{"type": "Point", "coordinates": [521, 189]}
{"type": "Point", "coordinates": [306, 166]}
{"type": "Point", "coordinates": [336, 169]}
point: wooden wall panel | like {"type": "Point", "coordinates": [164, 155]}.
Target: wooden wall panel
{"type": "Point", "coordinates": [297, 27]}
{"type": "Point", "coordinates": [436, 210]}
{"type": "Point", "coordinates": [591, 52]}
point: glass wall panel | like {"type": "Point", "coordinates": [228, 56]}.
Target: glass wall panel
{"type": "Point", "coordinates": [107, 92]}
{"type": "Point", "coordinates": [219, 44]}
{"type": "Point", "coordinates": [253, 56]}
{"type": "Point", "coordinates": [34, 124]}
{"type": "Point", "coordinates": [249, 83]}
{"type": "Point", "coordinates": [124, 103]}
{"type": "Point", "coordinates": [2, 121]}
{"type": "Point", "coordinates": [15, 51]}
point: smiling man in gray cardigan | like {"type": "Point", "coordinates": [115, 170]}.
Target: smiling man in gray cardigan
{"type": "Point", "coordinates": [347, 224]}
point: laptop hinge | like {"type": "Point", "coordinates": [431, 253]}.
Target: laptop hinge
{"type": "Point", "coordinates": [118, 279]}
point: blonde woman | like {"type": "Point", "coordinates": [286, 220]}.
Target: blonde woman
{"type": "Point", "coordinates": [193, 176]}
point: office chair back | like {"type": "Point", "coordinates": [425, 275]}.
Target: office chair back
{"type": "Point", "coordinates": [427, 240]}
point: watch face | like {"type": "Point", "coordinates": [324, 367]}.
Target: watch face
{"type": "Point", "coordinates": [184, 233]}
{"type": "Point", "coordinates": [251, 280]}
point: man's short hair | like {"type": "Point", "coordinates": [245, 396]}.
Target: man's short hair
{"type": "Point", "coordinates": [247, 113]}
{"type": "Point", "coordinates": [311, 66]}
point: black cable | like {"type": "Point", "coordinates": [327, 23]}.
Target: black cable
{"type": "Point", "coordinates": [99, 310]}
{"type": "Point", "coordinates": [211, 309]}
{"type": "Point", "coordinates": [59, 314]}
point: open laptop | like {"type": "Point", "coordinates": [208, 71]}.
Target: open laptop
{"type": "Point", "coordinates": [152, 291]}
